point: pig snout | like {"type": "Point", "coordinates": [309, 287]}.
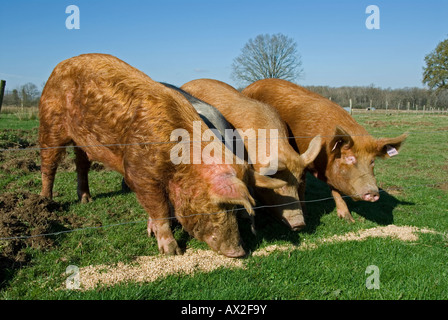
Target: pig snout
{"type": "Point", "coordinates": [236, 252]}
{"type": "Point", "coordinates": [365, 188]}
{"type": "Point", "coordinates": [228, 246]}
{"type": "Point", "coordinates": [298, 226]}
{"type": "Point", "coordinates": [294, 220]}
{"type": "Point", "coordinates": [371, 196]}
{"type": "Point", "coordinates": [228, 249]}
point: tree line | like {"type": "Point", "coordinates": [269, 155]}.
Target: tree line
{"type": "Point", "coordinates": [364, 97]}
{"type": "Point", "coordinates": [374, 97]}
{"type": "Point", "coordinates": [27, 95]}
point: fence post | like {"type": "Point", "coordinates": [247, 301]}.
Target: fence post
{"type": "Point", "coordinates": [2, 91]}
{"type": "Point", "coordinates": [351, 110]}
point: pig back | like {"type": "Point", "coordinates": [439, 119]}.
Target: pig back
{"type": "Point", "coordinates": [107, 107]}
{"type": "Point", "coordinates": [306, 113]}
{"type": "Point", "coordinates": [241, 112]}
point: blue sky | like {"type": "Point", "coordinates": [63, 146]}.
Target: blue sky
{"type": "Point", "coordinates": [178, 41]}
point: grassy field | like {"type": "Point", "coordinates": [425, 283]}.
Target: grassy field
{"type": "Point", "coordinates": [111, 231]}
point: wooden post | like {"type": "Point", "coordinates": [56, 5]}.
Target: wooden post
{"type": "Point", "coordinates": [2, 91]}
{"type": "Point", "coordinates": [351, 110]}
{"type": "Point", "coordinates": [386, 105]}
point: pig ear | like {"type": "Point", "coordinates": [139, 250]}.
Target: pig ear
{"type": "Point", "coordinates": [340, 139]}
{"type": "Point", "coordinates": [230, 189]}
{"type": "Point", "coordinates": [388, 147]}
{"type": "Point", "coordinates": [313, 150]}
{"type": "Point", "coordinates": [262, 181]}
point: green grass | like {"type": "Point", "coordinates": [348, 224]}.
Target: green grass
{"type": "Point", "coordinates": [408, 270]}
{"type": "Point", "coordinates": [9, 121]}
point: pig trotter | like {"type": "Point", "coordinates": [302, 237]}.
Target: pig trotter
{"type": "Point", "coordinates": [171, 248]}
{"type": "Point", "coordinates": [346, 216]}
{"type": "Point", "coordinates": [85, 198]}
{"type": "Point", "coordinates": [82, 169]}
{"type": "Point", "coordinates": [341, 207]}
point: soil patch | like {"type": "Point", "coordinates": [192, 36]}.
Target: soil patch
{"type": "Point", "coordinates": [28, 215]}
{"type": "Point", "coordinates": [26, 165]}
{"type": "Point", "coordinates": [443, 186]}
{"type": "Point", "coordinates": [377, 124]}
{"type": "Point", "coordinates": [382, 124]}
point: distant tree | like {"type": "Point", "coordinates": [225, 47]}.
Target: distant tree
{"type": "Point", "coordinates": [268, 56]}
{"type": "Point", "coordinates": [362, 95]}
{"type": "Point", "coordinates": [435, 74]}
{"type": "Point", "coordinates": [24, 97]}
{"type": "Point", "coordinates": [15, 99]}
{"type": "Point", "coordinates": [29, 94]}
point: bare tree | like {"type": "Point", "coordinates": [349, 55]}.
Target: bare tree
{"type": "Point", "coordinates": [29, 93]}
{"type": "Point", "coordinates": [268, 56]}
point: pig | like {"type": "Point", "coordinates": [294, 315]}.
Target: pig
{"type": "Point", "coordinates": [117, 115]}
{"type": "Point", "coordinates": [245, 113]}
{"type": "Point", "coordinates": [346, 161]}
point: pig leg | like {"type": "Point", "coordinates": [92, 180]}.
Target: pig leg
{"type": "Point", "coordinates": [82, 169]}
{"type": "Point", "coordinates": [341, 207]}
{"type": "Point", "coordinates": [52, 141]}
{"type": "Point", "coordinates": [151, 226]}
{"type": "Point", "coordinates": [155, 203]}
{"type": "Point", "coordinates": [50, 158]}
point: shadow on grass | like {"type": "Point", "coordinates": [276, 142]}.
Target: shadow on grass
{"type": "Point", "coordinates": [104, 195]}
{"type": "Point", "coordinates": [319, 203]}
{"type": "Point", "coordinates": [380, 212]}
